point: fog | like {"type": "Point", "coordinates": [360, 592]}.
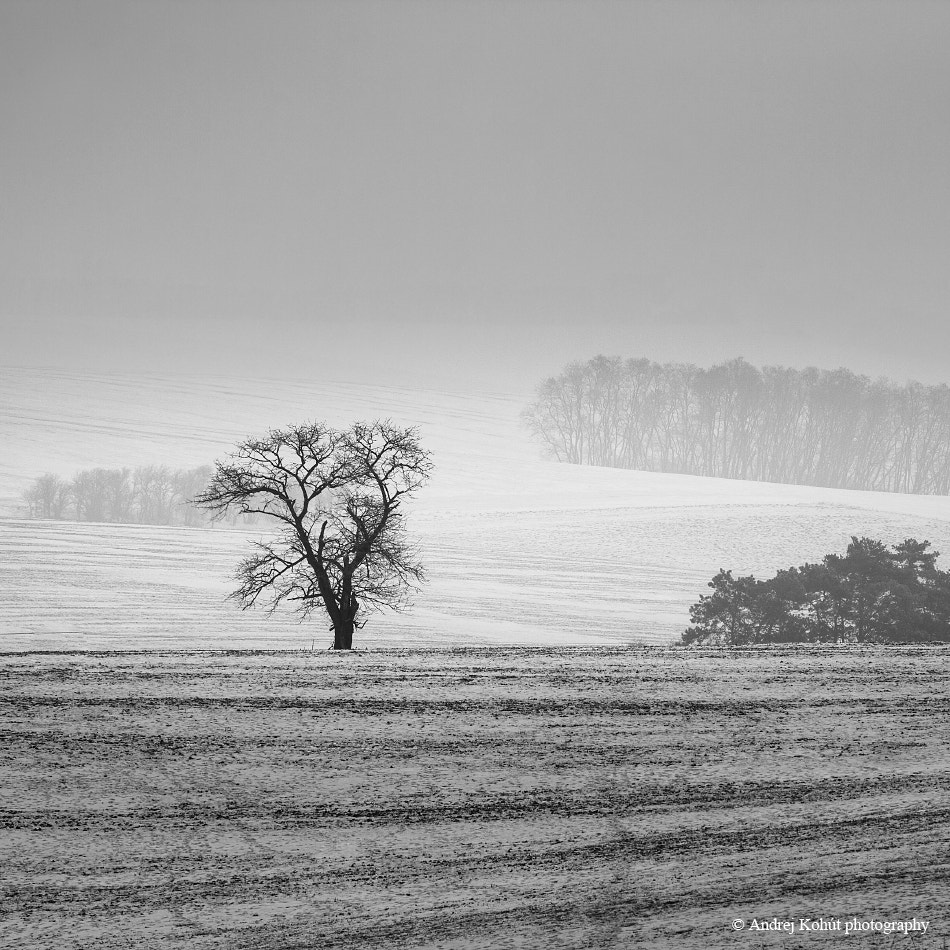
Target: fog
{"type": "Point", "coordinates": [473, 192]}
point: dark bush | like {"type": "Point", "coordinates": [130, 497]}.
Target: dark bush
{"type": "Point", "coordinates": [871, 594]}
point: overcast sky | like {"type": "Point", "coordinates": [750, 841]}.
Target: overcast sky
{"type": "Point", "coordinates": [473, 192]}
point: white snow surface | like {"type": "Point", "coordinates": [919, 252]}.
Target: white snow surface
{"type": "Point", "coordinates": [519, 549]}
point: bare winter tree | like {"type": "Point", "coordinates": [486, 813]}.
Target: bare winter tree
{"type": "Point", "coordinates": [337, 499]}
{"type": "Point", "coordinates": [47, 497]}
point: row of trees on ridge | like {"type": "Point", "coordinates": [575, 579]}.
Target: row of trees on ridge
{"type": "Point", "coordinates": [733, 420]}
{"type": "Point", "coordinates": [152, 494]}
{"type": "Point", "coordinates": [870, 594]}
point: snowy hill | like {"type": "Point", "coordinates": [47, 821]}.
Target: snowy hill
{"type": "Point", "coordinates": [518, 549]}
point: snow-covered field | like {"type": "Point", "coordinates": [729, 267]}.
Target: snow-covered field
{"type": "Point", "coordinates": [568, 798]}
{"type": "Point", "coordinates": [519, 549]}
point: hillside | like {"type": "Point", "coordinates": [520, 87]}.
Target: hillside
{"type": "Point", "coordinates": [519, 549]}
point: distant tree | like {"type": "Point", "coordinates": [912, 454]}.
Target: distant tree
{"type": "Point", "coordinates": [337, 500]}
{"type": "Point", "coordinates": [725, 615]}
{"type": "Point", "coordinates": [777, 608]}
{"type": "Point", "coordinates": [871, 594]}
{"type": "Point", "coordinates": [47, 497]}
{"type": "Point", "coordinates": [187, 485]}
{"type": "Point", "coordinates": [117, 495]}
{"type": "Point", "coordinates": [154, 492]}
{"type": "Point", "coordinates": [88, 490]}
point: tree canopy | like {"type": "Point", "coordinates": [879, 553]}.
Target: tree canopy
{"type": "Point", "coordinates": [870, 594]}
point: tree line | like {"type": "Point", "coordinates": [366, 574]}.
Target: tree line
{"type": "Point", "coordinates": [151, 494]}
{"type": "Point", "coordinates": [871, 594]}
{"type": "Point", "coordinates": [812, 427]}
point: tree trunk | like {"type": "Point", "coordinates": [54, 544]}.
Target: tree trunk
{"type": "Point", "coordinates": [343, 634]}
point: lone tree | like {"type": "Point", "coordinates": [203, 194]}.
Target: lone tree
{"type": "Point", "coordinates": [337, 497]}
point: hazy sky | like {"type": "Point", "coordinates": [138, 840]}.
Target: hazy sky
{"type": "Point", "coordinates": [474, 191]}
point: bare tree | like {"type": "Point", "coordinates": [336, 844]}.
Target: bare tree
{"type": "Point", "coordinates": [88, 490]}
{"type": "Point", "coordinates": [189, 483]}
{"type": "Point", "coordinates": [117, 492]}
{"type": "Point", "coordinates": [47, 497]}
{"type": "Point", "coordinates": [154, 493]}
{"type": "Point", "coordinates": [337, 500]}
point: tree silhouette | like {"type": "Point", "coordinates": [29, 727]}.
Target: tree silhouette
{"type": "Point", "coordinates": [337, 500]}
{"type": "Point", "coordinates": [870, 594]}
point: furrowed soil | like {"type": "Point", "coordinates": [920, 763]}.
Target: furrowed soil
{"type": "Point", "coordinates": [536, 798]}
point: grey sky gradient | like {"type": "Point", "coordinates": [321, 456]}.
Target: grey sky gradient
{"type": "Point", "coordinates": [474, 192]}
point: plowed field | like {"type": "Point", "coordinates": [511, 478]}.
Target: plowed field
{"type": "Point", "coordinates": [535, 798]}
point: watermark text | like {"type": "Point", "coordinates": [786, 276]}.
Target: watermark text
{"type": "Point", "coordinates": [845, 926]}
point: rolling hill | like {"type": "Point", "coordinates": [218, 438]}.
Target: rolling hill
{"type": "Point", "coordinates": [519, 549]}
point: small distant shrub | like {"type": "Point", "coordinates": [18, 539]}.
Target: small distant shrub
{"type": "Point", "coordinates": [871, 594]}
